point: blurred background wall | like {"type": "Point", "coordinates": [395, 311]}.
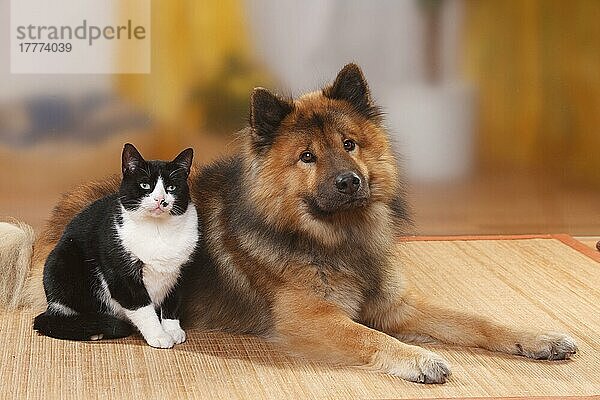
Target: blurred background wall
{"type": "Point", "coordinates": [494, 105]}
{"type": "Point", "coordinates": [536, 64]}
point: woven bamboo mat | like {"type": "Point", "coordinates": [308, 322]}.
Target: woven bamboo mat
{"type": "Point", "coordinates": [531, 282]}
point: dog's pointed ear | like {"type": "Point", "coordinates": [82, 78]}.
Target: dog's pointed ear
{"type": "Point", "coordinates": [184, 159]}
{"type": "Point", "coordinates": [131, 159]}
{"type": "Point", "coordinates": [267, 110]}
{"type": "Point", "coordinates": [351, 86]}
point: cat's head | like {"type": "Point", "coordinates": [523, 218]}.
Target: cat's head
{"type": "Point", "coordinates": [155, 188]}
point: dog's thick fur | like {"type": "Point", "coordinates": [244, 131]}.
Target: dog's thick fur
{"type": "Point", "coordinates": [290, 256]}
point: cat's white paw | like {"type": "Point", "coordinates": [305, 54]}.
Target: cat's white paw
{"type": "Point", "coordinates": [178, 335]}
{"type": "Point", "coordinates": [161, 341]}
{"type": "Point", "coordinates": [171, 326]}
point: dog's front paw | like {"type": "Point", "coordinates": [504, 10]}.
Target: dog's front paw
{"type": "Point", "coordinates": [548, 346]}
{"type": "Point", "coordinates": [424, 367]}
{"type": "Point", "coordinates": [172, 327]}
{"type": "Point", "coordinates": [161, 340]}
{"type": "Point", "coordinates": [434, 369]}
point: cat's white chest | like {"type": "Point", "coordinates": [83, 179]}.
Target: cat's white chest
{"type": "Point", "coordinates": [158, 284]}
{"type": "Point", "coordinates": [163, 246]}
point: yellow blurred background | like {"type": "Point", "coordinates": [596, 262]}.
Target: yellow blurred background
{"type": "Point", "coordinates": [537, 66]}
{"type": "Point", "coordinates": [495, 105]}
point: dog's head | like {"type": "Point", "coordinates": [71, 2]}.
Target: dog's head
{"type": "Point", "coordinates": [322, 157]}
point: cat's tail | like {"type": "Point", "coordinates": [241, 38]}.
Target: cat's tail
{"type": "Point", "coordinates": [81, 326]}
{"type": "Point", "coordinates": [16, 248]}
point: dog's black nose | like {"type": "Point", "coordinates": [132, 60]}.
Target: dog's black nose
{"type": "Point", "coordinates": [347, 182]}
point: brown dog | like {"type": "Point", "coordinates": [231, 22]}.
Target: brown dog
{"type": "Point", "coordinates": [299, 234]}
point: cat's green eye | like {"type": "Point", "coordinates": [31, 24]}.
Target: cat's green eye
{"type": "Point", "coordinates": [145, 186]}
{"type": "Point", "coordinates": [170, 188]}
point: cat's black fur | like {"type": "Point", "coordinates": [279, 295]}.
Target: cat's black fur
{"type": "Point", "coordinates": [90, 250]}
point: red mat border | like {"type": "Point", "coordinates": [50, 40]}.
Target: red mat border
{"type": "Point", "coordinates": [562, 237]}
{"type": "Point", "coordinates": [592, 397]}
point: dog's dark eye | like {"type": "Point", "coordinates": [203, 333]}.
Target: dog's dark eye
{"type": "Point", "coordinates": [308, 157]}
{"type": "Point", "coordinates": [349, 145]}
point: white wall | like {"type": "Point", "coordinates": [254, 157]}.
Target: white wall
{"type": "Point", "coordinates": [306, 42]}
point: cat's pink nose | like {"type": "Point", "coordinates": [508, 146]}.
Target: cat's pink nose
{"type": "Point", "coordinates": [159, 198]}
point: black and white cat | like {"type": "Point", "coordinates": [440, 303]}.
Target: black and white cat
{"type": "Point", "coordinates": [119, 260]}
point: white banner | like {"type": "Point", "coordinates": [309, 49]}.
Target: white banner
{"type": "Point", "coordinates": [80, 36]}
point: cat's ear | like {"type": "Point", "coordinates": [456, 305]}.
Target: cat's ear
{"type": "Point", "coordinates": [351, 86]}
{"type": "Point", "coordinates": [184, 159]}
{"type": "Point", "coordinates": [131, 159]}
{"type": "Point", "coordinates": [267, 110]}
